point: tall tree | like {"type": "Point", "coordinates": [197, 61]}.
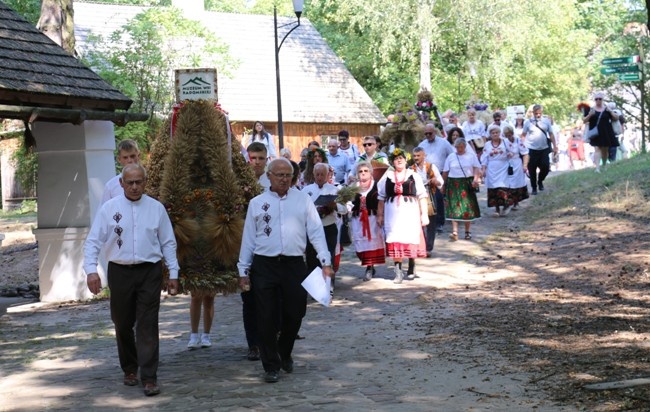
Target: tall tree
{"type": "Point", "coordinates": [57, 23]}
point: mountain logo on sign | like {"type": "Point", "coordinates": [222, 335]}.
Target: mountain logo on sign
{"type": "Point", "coordinates": [197, 81]}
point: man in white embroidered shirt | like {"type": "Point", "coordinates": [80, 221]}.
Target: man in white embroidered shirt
{"type": "Point", "coordinates": [277, 225]}
{"type": "Point", "coordinates": [137, 234]}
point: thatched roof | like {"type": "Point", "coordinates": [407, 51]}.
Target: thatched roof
{"type": "Point", "coordinates": [36, 72]}
{"type": "Point", "coordinates": [316, 86]}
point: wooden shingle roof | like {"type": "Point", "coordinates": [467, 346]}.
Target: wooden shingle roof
{"type": "Point", "coordinates": [36, 72]}
{"type": "Point", "coordinates": [316, 85]}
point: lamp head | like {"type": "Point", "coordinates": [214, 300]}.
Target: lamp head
{"type": "Point", "coordinates": [297, 7]}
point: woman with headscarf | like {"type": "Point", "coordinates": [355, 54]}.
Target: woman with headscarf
{"type": "Point", "coordinates": [403, 212]}
{"type": "Point", "coordinates": [461, 174]}
{"type": "Point", "coordinates": [367, 235]}
{"type": "Point", "coordinates": [519, 163]}
{"type": "Point", "coordinates": [600, 117]}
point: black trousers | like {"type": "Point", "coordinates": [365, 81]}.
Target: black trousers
{"type": "Point", "coordinates": [440, 208]}
{"type": "Point", "coordinates": [331, 236]}
{"type": "Point", "coordinates": [250, 318]}
{"type": "Point", "coordinates": [276, 285]}
{"type": "Point", "coordinates": [538, 160]}
{"type": "Point", "coordinates": [135, 302]}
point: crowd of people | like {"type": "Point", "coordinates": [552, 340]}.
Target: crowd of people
{"type": "Point", "coordinates": [399, 201]}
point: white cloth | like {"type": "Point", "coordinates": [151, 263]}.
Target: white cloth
{"type": "Point", "coordinates": [437, 151]}
{"type": "Point", "coordinates": [402, 217]}
{"type": "Point", "coordinates": [534, 136]}
{"type": "Point", "coordinates": [112, 189]}
{"type": "Point", "coordinates": [518, 177]}
{"type": "Point", "coordinates": [267, 140]}
{"type": "Point", "coordinates": [473, 131]}
{"type": "Point", "coordinates": [457, 164]}
{"type": "Point", "coordinates": [132, 232]}
{"type": "Point", "coordinates": [279, 226]}
{"type": "Point", "coordinates": [496, 160]}
{"type": "Point", "coordinates": [328, 189]}
{"type": "Point", "coordinates": [264, 182]}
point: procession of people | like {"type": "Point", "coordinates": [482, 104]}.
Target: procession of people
{"type": "Point", "coordinates": [388, 200]}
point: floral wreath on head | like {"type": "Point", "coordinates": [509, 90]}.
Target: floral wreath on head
{"type": "Point", "coordinates": [322, 152]}
{"type": "Point", "coordinates": [398, 152]}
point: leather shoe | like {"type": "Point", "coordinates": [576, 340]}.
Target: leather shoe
{"type": "Point", "coordinates": [151, 389]}
{"type": "Point", "coordinates": [534, 192]}
{"type": "Point", "coordinates": [130, 379]}
{"type": "Point", "coordinates": [253, 354]}
{"type": "Point", "coordinates": [287, 365]}
{"type": "Point", "coordinates": [271, 376]}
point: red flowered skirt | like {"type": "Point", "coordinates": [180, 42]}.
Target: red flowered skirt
{"type": "Point", "coordinates": [499, 196]}
{"type": "Point", "coordinates": [460, 201]}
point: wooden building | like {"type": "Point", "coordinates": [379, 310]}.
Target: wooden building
{"type": "Point", "coordinates": [70, 112]}
{"type": "Point", "coordinates": [319, 95]}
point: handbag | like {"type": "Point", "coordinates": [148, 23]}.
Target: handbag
{"type": "Point", "coordinates": [511, 171]}
{"type": "Point", "coordinates": [593, 132]}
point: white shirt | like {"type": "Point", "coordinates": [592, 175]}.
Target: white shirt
{"type": "Point", "coordinates": [535, 137]}
{"type": "Point", "coordinates": [132, 232]}
{"type": "Point", "coordinates": [437, 151]}
{"type": "Point", "coordinates": [352, 152]}
{"type": "Point", "coordinates": [112, 189]}
{"type": "Point", "coordinates": [264, 181]}
{"type": "Point", "coordinates": [267, 140]}
{"type": "Point", "coordinates": [328, 189]}
{"type": "Point", "coordinates": [461, 165]}
{"type": "Point", "coordinates": [280, 226]}
{"type": "Point", "coordinates": [474, 130]}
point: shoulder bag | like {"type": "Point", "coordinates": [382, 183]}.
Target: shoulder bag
{"type": "Point", "coordinates": [477, 188]}
{"type": "Point", "coordinates": [593, 132]}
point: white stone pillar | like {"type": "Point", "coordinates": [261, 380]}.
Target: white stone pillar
{"type": "Point", "coordinates": [74, 163]}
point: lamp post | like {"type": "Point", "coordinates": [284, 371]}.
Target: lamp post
{"type": "Point", "coordinates": [297, 8]}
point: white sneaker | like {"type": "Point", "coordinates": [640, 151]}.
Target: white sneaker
{"type": "Point", "coordinates": [194, 342]}
{"type": "Point", "coordinates": [205, 340]}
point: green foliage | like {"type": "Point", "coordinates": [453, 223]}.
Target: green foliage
{"type": "Point", "coordinates": [139, 58]}
{"type": "Point", "coordinates": [26, 162]}
{"type": "Point", "coordinates": [285, 8]}
{"type": "Point", "coordinates": [29, 9]}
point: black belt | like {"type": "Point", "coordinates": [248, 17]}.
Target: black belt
{"type": "Point", "coordinates": [280, 258]}
{"type": "Point", "coordinates": [134, 265]}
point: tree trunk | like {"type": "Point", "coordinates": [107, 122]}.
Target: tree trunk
{"type": "Point", "coordinates": [57, 23]}
{"type": "Point", "coordinates": [425, 62]}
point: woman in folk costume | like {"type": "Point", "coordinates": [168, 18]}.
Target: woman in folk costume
{"type": "Point", "coordinates": [367, 235]}
{"type": "Point", "coordinates": [402, 211]}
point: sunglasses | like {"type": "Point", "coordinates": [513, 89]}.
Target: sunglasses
{"type": "Point", "coordinates": [598, 98]}
{"type": "Point", "coordinates": [369, 144]}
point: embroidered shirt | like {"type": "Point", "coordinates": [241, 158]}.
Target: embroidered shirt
{"type": "Point", "coordinates": [280, 226]}
{"type": "Point", "coordinates": [328, 189]}
{"type": "Point", "coordinates": [132, 232]}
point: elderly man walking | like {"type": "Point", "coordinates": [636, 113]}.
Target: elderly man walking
{"type": "Point", "coordinates": [538, 138]}
{"type": "Point", "coordinates": [338, 161]}
{"type": "Point", "coordinates": [436, 149]}
{"type": "Point", "coordinates": [278, 223]}
{"type": "Point", "coordinates": [137, 234]}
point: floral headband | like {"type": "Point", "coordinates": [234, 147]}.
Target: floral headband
{"type": "Point", "coordinates": [310, 154]}
{"type": "Point", "coordinates": [396, 153]}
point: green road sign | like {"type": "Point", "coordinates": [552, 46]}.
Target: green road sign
{"type": "Point", "coordinates": [620, 69]}
{"type": "Point", "coordinates": [620, 60]}
{"type": "Point", "coordinates": [629, 77]}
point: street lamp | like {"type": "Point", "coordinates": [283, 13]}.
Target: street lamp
{"type": "Point", "coordinates": [297, 8]}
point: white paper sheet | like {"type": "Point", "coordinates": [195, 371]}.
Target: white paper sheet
{"type": "Point", "coordinates": [318, 287]}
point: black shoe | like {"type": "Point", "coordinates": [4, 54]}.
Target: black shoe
{"type": "Point", "coordinates": [151, 389]}
{"type": "Point", "coordinates": [541, 186]}
{"type": "Point", "coordinates": [271, 376]}
{"type": "Point", "coordinates": [439, 229]}
{"type": "Point", "coordinates": [287, 365]}
{"type": "Point", "coordinates": [534, 192]}
{"type": "Point", "coordinates": [253, 354]}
